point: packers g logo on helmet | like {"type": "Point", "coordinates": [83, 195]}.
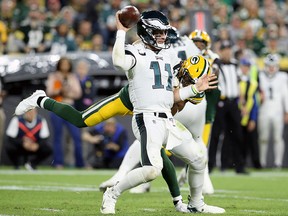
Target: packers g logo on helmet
{"type": "Point", "coordinates": [191, 70]}
{"type": "Point", "coordinates": [195, 60]}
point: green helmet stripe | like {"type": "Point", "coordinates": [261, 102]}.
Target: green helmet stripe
{"type": "Point", "coordinates": [205, 68]}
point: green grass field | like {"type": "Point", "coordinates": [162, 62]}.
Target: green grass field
{"type": "Point", "coordinates": [75, 192]}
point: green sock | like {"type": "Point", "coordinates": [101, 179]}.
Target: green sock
{"type": "Point", "coordinates": [65, 111]}
{"type": "Point", "coordinates": [169, 175]}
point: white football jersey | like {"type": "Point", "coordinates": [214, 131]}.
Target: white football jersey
{"type": "Point", "coordinates": [150, 78]}
{"type": "Point", "coordinates": [275, 92]}
{"type": "Point", "coordinates": [185, 48]}
{"type": "Point", "coordinates": [191, 116]}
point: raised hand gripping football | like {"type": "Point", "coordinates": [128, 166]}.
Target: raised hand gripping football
{"type": "Point", "coordinates": [129, 16]}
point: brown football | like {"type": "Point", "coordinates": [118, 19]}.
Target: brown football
{"type": "Point", "coordinates": [129, 16]}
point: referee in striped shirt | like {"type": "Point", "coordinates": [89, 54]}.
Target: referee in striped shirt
{"type": "Point", "coordinates": [228, 115]}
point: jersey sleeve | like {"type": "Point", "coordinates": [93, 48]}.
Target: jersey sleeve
{"type": "Point", "coordinates": [121, 60]}
{"type": "Point", "coordinates": [13, 128]}
{"type": "Point", "coordinates": [44, 132]}
{"type": "Point", "coordinates": [175, 60]}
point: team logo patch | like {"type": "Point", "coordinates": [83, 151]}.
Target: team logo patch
{"type": "Point", "coordinates": [194, 60]}
{"type": "Point", "coordinates": [159, 58]}
{"type": "Point", "coordinates": [141, 52]}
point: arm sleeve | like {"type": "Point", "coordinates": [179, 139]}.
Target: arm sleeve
{"type": "Point", "coordinates": [13, 128]}
{"type": "Point", "coordinates": [120, 60]}
{"type": "Point", "coordinates": [44, 133]}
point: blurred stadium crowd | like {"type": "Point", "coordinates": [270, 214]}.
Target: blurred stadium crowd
{"type": "Point", "coordinates": [57, 26]}
{"type": "Point", "coordinates": [255, 28]}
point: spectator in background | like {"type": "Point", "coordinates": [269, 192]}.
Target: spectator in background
{"type": "Point", "coordinates": [7, 9]}
{"type": "Point", "coordinates": [111, 138]}
{"type": "Point", "coordinates": [143, 5]}
{"type": "Point", "coordinates": [68, 14]}
{"type": "Point", "coordinates": [33, 36]}
{"type": "Point", "coordinates": [93, 8]}
{"type": "Point", "coordinates": [28, 138]}
{"type": "Point", "coordinates": [98, 43]}
{"type": "Point", "coordinates": [23, 8]}
{"type": "Point", "coordinates": [273, 111]}
{"type": "Point", "coordinates": [7, 17]}
{"type": "Point", "coordinates": [248, 104]}
{"type": "Point", "coordinates": [271, 47]}
{"type": "Point", "coordinates": [53, 13]}
{"type": "Point", "coordinates": [236, 27]}
{"type": "Point", "coordinates": [107, 18]}
{"type": "Point", "coordinates": [87, 85]}
{"type": "Point", "coordinates": [3, 37]}
{"type": "Point", "coordinates": [222, 35]}
{"type": "Point", "coordinates": [253, 18]}
{"type": "Point", "coordinates": [241, 50]}
{"type": "Point", "coordinates": [273, 42]}
{"type": "Point", "coordinates": [221, 16]}
{"type": "Point", "coordinates": [180, 20]}
{"type": "Point", "coordinates": [2, 115]}
{"type": "Point", "coordinates": [63, 86]}
{"type": "Point", "coordinates": [87, 98]}
{"type": "Point", "coordinates": [63, 40]}
{"type": "Point", "coordinates": [165, 6]}
{"type": "Point", "coordinates": [252, 41]}
{"type": "Point", "coordinates": [84, 36]}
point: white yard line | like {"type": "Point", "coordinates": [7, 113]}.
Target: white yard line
{"type": "Point", "coordinates": [249, 198]}
{"type": "Point", "coordinates": [262, 174]}
{"type": "Point", "coordinates": [268, 174]}
{"type": "Point", "coordinates": [20, 182]}
{"type": "Point", "coordinates": [253, 211]}
{"type": "Point", "coordinates": [6, 215]}
{"type": "Point", "coordinates": [149, 210]}
{"type": "Point", "coordinates": [49, 209]}
{"type": "Point", "coordinates": [58, 172]}
{"type": "Point", "coordinates": [47, 188]}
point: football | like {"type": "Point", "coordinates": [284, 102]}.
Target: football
{"type": "Point", "coordinates": [129, 16]}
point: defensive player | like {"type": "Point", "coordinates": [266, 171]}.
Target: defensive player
{"type": "Point", "coordinates": [273, 111]}
{"type": "Point", "coordinates": [148, 67]}
{"type": "Point", "coordinates": [200, 127]}
{"type": "Point", "coordinates": [203, 41]}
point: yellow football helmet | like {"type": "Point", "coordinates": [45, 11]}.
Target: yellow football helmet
{"type": "Point", "coordinates": [202, 36]}
{"type": "Point", "coordinates": [191, 70]}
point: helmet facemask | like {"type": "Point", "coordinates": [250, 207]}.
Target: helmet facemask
{"type": "Point", "coordinates": [192, 69]}
{"type": "Point", "coordinates": [185, 78]}
{"type": "Point", "coordinates": [150, 22]}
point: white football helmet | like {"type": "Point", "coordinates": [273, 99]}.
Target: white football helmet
{"type": "Point", "coordinates": [271, 63]}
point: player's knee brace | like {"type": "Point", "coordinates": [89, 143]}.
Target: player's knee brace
{"type": "Point", "coordinates": [199, 163]}
{"type": "Point", "coordinates": [150, 172]}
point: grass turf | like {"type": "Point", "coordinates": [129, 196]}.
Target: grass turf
{"type": "Point", "coordinates": [75, 192]}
